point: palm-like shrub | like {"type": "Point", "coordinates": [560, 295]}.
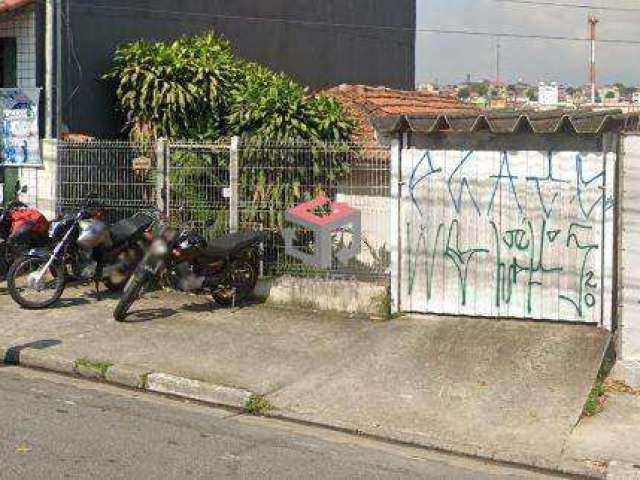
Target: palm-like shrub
{"type": "Point", "coordinates": [195, 89]}
{"type": "Point", "coordinates": [175, 90]}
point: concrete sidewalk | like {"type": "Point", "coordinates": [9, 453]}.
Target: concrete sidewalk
{"type": "Point", "coordinates": [610, 440]}
{"type": "Point", "coordinates": [510, 391]}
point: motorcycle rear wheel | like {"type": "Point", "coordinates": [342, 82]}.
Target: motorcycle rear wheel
{"type": "Point", "coordinates": [241, 285]}
{"type": "Point", "coordinates": [4, 268]}
{"type": "Point", "coordinates": [127, 262]}
{"type": "Point", "coordinates": [52, 289]}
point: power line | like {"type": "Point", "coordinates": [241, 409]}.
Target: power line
{"type": "Point", "coordinates": [526, 36]}
{"type": "Point", "coordinates": [540, 3]}
{"type": "Point", "coordinates": [353, 26]}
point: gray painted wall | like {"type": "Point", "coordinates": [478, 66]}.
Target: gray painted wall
{"type": "Point", "coordinates": [316, 55]}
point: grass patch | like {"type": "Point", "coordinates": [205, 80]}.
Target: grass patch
{"type": "Point", "coordinates": [597, 397]}
{"type": "Point", "coordinates": [257, 405]}
{"type": "Point", "coordinates": [144, 380]}
{"type": "Point", "coordinates": [595, 400]}
{"type": "Point", "coordinates": [383, 305]}
{"type": "Point", "coordinates": [97, 366]}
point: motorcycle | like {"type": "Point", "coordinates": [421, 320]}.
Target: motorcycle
{"type": "Point", "coordinates": [226, 268]}
{"type": "Point", "coordinates": [86, 245]}
{"type": "Point", "coordinates": [21, 229]}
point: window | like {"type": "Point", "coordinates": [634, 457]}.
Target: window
{"type": "Point", "coordinates": [8, 79]}
{"type": "Point", "coordinates": [8, 63]}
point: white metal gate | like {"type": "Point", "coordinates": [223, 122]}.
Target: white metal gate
{"type": "Point", "coordinates": [507, 234]}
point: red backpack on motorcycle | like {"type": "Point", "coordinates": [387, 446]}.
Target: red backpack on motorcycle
{"type": "Point", "coordinates": [28, 220]}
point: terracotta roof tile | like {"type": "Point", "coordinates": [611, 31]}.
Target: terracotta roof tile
{"type": "Point", "coordinates": [7, 5]}
{"type": "Point", "coordinates": [366, 103]}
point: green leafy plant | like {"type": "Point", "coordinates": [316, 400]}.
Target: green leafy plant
{"type": "Point", "coordinates": [197, 182]}
{"type": "Point", "coordinates": [175, 90]}
{"type": "Point", "coordinates": [195, 88]}
{"type": "Point", "coordinates": [99, 367]}
{"type": "Point", "coordinates": [258, 405]}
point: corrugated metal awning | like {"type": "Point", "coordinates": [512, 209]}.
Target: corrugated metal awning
{"type": "Point", "coordinates": [576, 122]}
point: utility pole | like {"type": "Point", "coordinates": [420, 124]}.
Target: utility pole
{"type": "Point", "coordinates": [593, 23]}
{"type": "Point", "coordinates": [58, 78]}
{"type": "Point", "coordinates": [49, 66]}
{"type": "Point", "coordinates": [498, 60]}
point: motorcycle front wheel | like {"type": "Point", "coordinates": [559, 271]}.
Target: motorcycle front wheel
{"type": "Point", "coordinates": [242, 282]}
{"type": "Point", "coordinates": [33, 289]}
{"type": "Point", "coordinates": [131, 293]}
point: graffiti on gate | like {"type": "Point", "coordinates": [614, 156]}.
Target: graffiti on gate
{"type": "Point", "coordinates": [525, 228]}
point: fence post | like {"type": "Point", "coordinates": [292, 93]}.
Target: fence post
{"type": "Point", "coordinates": [395, 239]}
{"type": "Point", "coordinates": [162, 173]}
{"type": "Point", "coordinates": [234, 186]}
{"type": "Point", "coordinates": [47, 179]}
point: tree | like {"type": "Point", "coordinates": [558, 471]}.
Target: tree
{"type": "Point", "coordinates": [610, 95]}
{"type": "Point", "coordinates": [481, 88]}
{"type": "Point", "coordinates": [532, 95]}
{"type": "Point", "coordinates": [464, 93]}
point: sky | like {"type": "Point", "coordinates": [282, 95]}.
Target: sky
{"type": "Point", "coordinates": [448, 58]}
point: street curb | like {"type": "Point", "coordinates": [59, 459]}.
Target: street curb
{"type": "Point", "coordinates": [130, 376]}
{"type": "Point", "coordinates": [623, 471]}
{"type": "Point", "coordinates": [197, 390]}
{"type": "Point", "coordinates": [143, 379]}
{"type": "Point", "coordinates": [574, 470]}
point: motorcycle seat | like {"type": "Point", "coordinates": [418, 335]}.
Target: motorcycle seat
{"type": "Point", "coordinates": [127, 228]}
{"type": "Point", "coordinates": [232, 243]}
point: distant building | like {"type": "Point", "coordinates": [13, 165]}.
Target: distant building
{"type": "Point", "coordinates": [428, 87]}
{"type": "Point", "coordinates": [609, 94]}
{"type": "Point", "coordinates": [548, 94]}
{"type": "Point", "coordinates": [520, 92]}
{"type": "Point", "coordinates": [635, 98]}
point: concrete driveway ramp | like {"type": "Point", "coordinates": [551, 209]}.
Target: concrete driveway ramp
{"type": "Point", "coordinates": [507, 390]}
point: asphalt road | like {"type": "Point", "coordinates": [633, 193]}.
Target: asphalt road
{"type": "Point", "coordinates": [54, 427]}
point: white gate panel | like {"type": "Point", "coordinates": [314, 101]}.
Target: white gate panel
{"type": "Point", "coordinates": [507, 234]}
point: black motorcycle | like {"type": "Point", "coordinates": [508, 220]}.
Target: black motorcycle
{"type": "Point", "coordinates": [87, 247]}
{"type": "Point", "coordinates": [226, 268]}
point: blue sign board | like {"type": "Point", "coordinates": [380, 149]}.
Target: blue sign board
{"type": "Point", "coordinates": [20, 136]}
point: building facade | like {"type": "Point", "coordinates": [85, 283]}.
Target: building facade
{"type": "Point", "coordinates": [548, 94]}
{"type": "Point", "coordinates": [320, 44]}
{"type": "Point", "coordinates": [20, 49]}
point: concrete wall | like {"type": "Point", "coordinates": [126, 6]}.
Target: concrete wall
{"type": "Point", "coordinates": [362, 298]}
{"type": "Point", "coordinates": [523, 234]}
{"type": "Point", "coordinates": [375, 216]}
{"type": "Point", "coordinates": [628, 337]}
{"type": "Point", "coordinates": [316, 55]}
{"type": "Point", "coordinates": [41, 182]}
